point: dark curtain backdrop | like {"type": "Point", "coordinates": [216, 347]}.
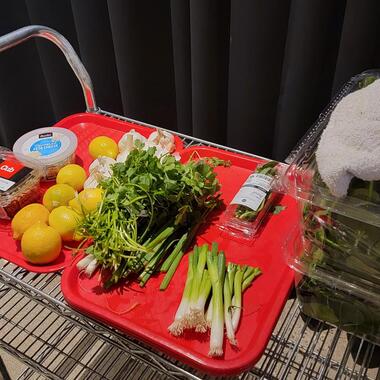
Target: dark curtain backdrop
{"type": "Point", "coordinates": [251, 74]}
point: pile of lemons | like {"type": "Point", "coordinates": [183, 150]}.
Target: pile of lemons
{"type": "Point", "coordinates": [42, 227]}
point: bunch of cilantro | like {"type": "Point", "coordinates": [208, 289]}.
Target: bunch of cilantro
{"type": "Point", "coordinates": [151, 210]}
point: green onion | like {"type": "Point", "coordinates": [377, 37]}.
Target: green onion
{"type": "Point", "coordinates": [180, 320]}
{"type": "Point", "coordinates": [173, 267]}
{"type": "Point", "coordinates": [216, 266]}
{"type": "Point", "coordinates": [240, 285]}
{"type": "Point", "coordinates": [204, 291]}
{"type": "Point", "coordinates": [231, 270]}
{"type": "Point", "coordinates": [248, 280]}
{"type": "Point", "coordinates": [158, 246]}
{"type": "Point", "coordinates": [209, 313]}
{"type": "Point", "coordinates": [177, 250]}
{"type": "Point", "coordinates": [224, 308]}
{"type": "Point", "coordinates": [196, 315]}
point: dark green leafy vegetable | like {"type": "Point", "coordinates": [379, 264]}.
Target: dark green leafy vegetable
{"type": "Point", "coordinates": [354, 314]}
{"type": "Point", "coordinates": [348, 250]}
{"type": "Point", "coordinates": [340, 260]}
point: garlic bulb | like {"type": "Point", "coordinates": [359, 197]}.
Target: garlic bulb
{"type": "Point", "coordinates": [102, 166]}
{"type": "Point", "coordinates": [99, 169]}
{"type": "Point", "coordinates": [163, 139]}
{"type": "Point", "coordinates": [128, 140]}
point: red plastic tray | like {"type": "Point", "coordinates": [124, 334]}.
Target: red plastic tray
{"type": "Point", "coordinates": [148, 321]}
{"type": "Point", "coordinates": [11, 252]}
{"type": "Point", "coordinates": [89, 125]}
{"type": "Point", "coordinates": [86, 126]}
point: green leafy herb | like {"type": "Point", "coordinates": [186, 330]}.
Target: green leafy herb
{"type": "Point", "coordinates": [150, 203]}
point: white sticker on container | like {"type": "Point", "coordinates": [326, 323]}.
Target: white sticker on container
{"type": "Point", "coordinates": [5, 184]}
{"type": "Point", "coordinates": [262, 181]}
{"type": "Point", "coordinates": [250, 197]}
{"type": "Point", "coordinates": [45, 145]}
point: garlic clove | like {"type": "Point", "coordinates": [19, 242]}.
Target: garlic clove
{"type": "Point", "coordinates": [122, 157]}
{"type": "Point", "coordinates": [177, 156]}
{"type": "Point", "coordinates": [159, 134]}
{"type": "Point", "coordinates": [90, 183]}
{"type": "Point", "coordinates": [101, 161]}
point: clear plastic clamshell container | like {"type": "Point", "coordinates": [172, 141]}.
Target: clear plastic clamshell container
{"type": "Point", "coordinates": [19, 184]}
{"type": "Point", "coordinates": [336, 249]}
{"type": "Point", "coordinates": [330, 282]}
{"type": "Point", "coordinates": [251, 203]}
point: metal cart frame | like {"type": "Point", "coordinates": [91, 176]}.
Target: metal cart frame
{"type": "Point", "coordinates": [54, 341]}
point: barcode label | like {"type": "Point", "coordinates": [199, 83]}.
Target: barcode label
{"type": "Point", "coordinates": [250, 197]}
{"type": "Point", "coordinates": [262, 181]}
{"type": "Point", "coordinates": [5, 184]}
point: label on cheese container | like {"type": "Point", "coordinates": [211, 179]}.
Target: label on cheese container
{"type": "Point", "coordinates": [45, 145]}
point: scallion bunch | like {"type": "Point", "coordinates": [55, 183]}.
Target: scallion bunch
{"type": "Point", "coordinates": [210, 281]}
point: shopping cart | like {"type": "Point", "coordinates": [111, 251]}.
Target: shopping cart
{"type": "Point", "coordinates": [284, 354]}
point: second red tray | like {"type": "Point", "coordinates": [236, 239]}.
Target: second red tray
{"type": "Point", "coordinates": [86, 126]}
{"type": "Point", "coordinates": [146, 313]}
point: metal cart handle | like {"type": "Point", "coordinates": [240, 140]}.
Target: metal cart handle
{"type": "Point", "coordinates": [23, 34]}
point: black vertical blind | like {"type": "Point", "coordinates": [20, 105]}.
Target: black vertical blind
{"type": "Point", "coordinates": [308, 70]}
{"type": "Point", "coordinates": [63, 87]}
{"type": "Point", "coordinates": [142, 40]}
{"type": "Point", "coordinates": [95, 41]}
{"type": "Point", "coordinates": [251, 74]}
{"type": "Point", "coordinates": [258, 36]}
{"type": "Point", "coordinates": [209, 32]}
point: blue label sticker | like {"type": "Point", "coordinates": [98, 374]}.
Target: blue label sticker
{"type": "Point", "coordinates": [46, 147]}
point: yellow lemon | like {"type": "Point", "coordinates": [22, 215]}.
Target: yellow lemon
{"type": "Point", "coordinates": [72, 175]}
{"type": "Point", "coordinates": [103, 146]}
{"type": "Point", "coordinates": [41, 244]}
{"type": "Point", "coordinates": [58, 195]}
{"type": "Point", "coordinates": [65, 220]}
{"type": "Point", "coordinates": [28, 216]}
{"type": "Point", "coordinates": [88, 200]}
{"type": "Point", "coordinates": [75, 205]}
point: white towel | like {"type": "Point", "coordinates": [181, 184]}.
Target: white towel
{"type": "Point", "coordinates": [350, 144]}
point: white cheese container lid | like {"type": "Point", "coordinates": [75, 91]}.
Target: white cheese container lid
{"type": "Point", "coordinates": [45, 146]}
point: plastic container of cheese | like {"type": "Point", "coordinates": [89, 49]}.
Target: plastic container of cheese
{"type": "Point", "coordinates": [47, 149]}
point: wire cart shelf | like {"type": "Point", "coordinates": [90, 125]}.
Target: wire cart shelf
{"type": "Point", "coordinates": [40, 329]}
